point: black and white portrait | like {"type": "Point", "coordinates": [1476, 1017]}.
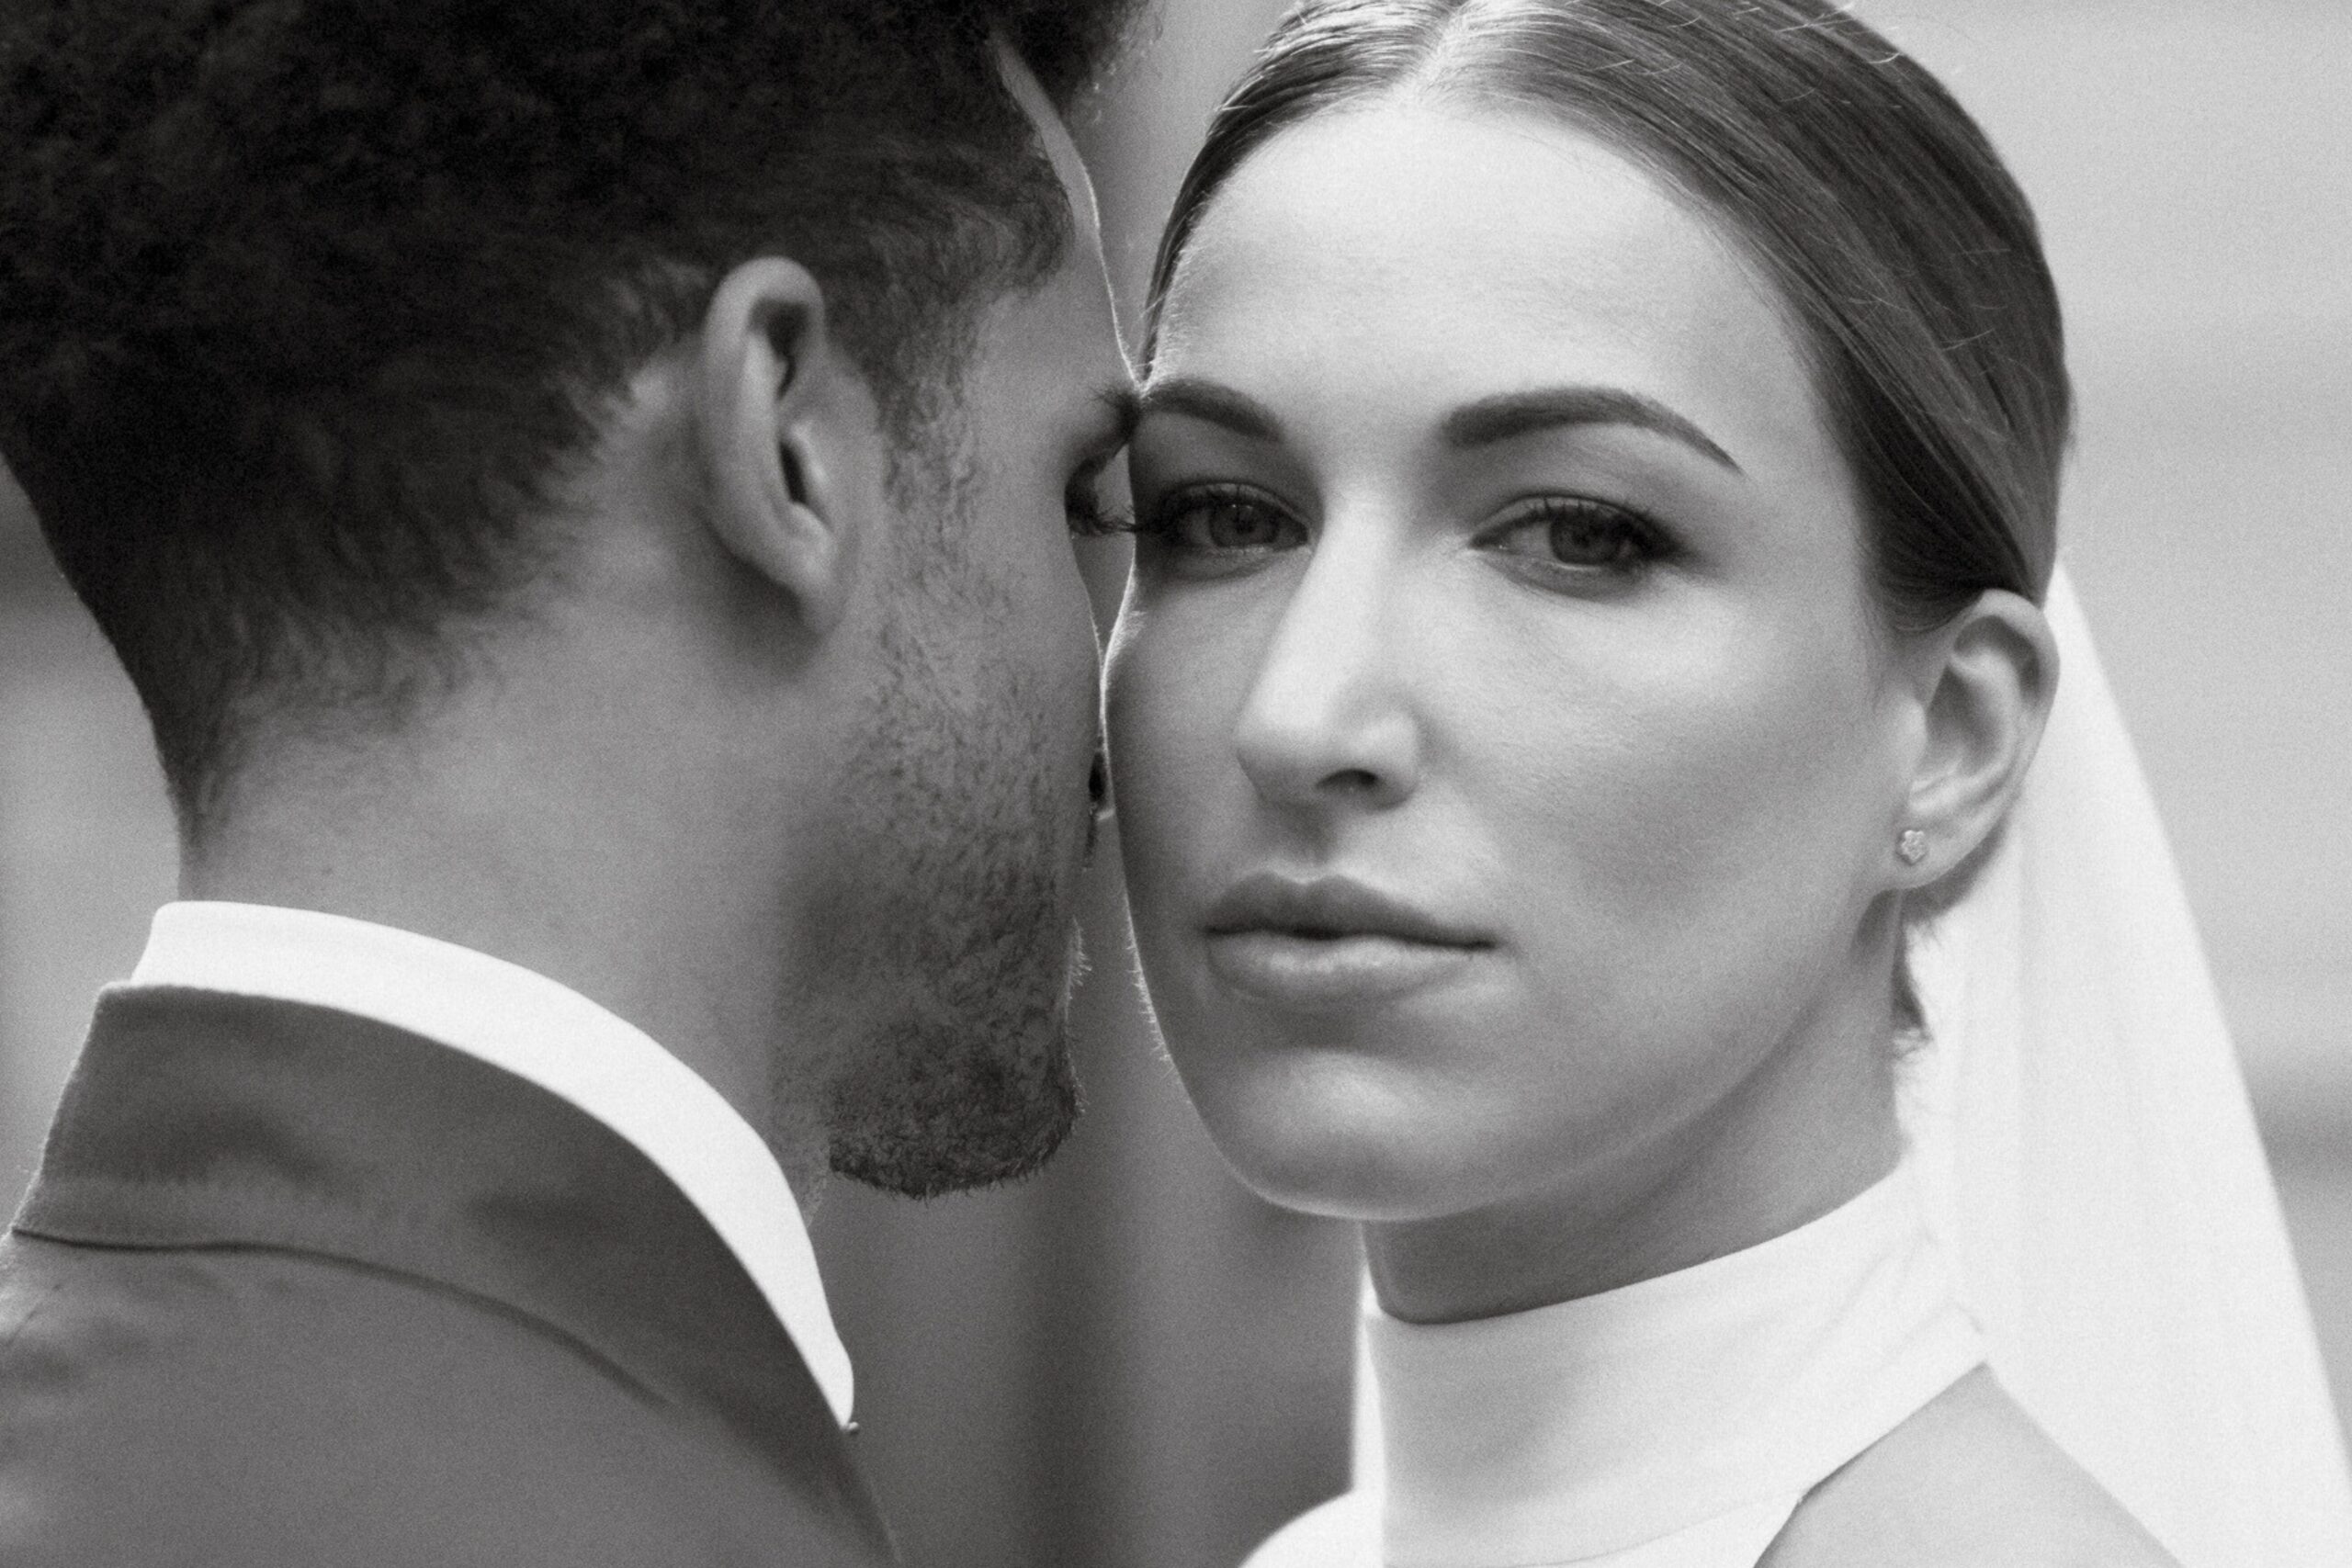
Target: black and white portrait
{"type": "Point", "coordinates": [1175, 783]}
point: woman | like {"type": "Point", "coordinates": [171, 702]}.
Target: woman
{"type": "Point", "coordinates": [1594, 507]}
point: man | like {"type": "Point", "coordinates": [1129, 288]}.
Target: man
{"type": "Point", "coordinates": [581, 491]}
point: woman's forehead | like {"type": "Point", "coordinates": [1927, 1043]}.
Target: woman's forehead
{"type": "Point", "coordinates": [1449, 250]}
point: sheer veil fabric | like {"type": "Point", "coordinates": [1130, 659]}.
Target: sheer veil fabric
{"type": "Point", "coordinates": [2091, 1160]}
{"type": "Point", "coordinates": [2088, 1157]}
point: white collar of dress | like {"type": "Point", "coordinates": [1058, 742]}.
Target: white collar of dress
{"type": "Point", "coordinates": [1574, 1431]}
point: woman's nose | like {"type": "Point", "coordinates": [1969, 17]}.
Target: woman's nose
{"type": "Point", "coordinates": [1326, 724]}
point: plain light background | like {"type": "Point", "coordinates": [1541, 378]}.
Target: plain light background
{"type": "Point", "coordinates": [1131, 1361]}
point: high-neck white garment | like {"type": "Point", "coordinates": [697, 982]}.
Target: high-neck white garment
{"type": "Point", "coordinates": [1675, 1423]}
{"type": "Point", "coordinates": [520, 1021]}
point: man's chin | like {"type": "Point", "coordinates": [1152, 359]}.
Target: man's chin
{"type": "Point", "coordinates": [938, 1112]}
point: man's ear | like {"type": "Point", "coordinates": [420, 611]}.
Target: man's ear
{"type": "Point", "coordinates": [788, 437]}
{"type": "Point", "coordinates": [1985, 684]}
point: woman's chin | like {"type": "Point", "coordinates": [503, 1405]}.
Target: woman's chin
{"type": "Point", "coordinates": [1331, 1143]}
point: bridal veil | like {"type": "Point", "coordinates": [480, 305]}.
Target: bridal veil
{"type": "Point", "coordinates": [2089, 1157]}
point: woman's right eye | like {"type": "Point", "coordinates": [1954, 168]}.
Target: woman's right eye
{"type": "Point", "coordinates": [1224, 521]}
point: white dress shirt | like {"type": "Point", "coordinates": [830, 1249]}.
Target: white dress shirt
{"type": "Point", "coordinates": [542, 1031]}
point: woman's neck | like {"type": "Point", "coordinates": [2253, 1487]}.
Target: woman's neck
{"type": "Point", "coordinates": [1812, 1127]}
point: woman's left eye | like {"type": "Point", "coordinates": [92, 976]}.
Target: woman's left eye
{"type": "Point", "coordinates": [1578, 536]}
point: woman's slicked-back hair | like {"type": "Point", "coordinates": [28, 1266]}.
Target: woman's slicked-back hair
{"type": "Point", "coordinates": [1906, 257]}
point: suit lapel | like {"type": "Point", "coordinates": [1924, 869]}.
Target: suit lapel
{"type": "Point", "coordinates": [201, 1119]}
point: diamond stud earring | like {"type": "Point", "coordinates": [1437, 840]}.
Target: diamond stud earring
{"type": "Point", "coordinates": [1911, 848]}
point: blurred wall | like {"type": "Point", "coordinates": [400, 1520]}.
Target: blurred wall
{"type": "Point", "coordinates": [1131, 1362]}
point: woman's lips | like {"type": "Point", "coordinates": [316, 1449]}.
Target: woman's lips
{"type": "Point", "coordinates": [1324, 972]}
{"type": "Point", "coordinates": [1330, 942]}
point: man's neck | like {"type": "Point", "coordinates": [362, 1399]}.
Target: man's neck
{"type": "Point", "coordinates": [655, 916]}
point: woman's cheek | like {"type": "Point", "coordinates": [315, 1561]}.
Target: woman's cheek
{"type": "Point", "coordinates": [1656, 805]}
{"type": "Point", "coordinates": [1161, 731]}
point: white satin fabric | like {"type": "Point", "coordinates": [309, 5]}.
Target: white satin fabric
{"type": "Point", "coordinates": [2087, 1156]}
{"type": "Point", "coordinates": [1673, 1423]}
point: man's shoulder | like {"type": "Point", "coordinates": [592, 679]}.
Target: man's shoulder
{"type": "Point", "coordinates": [193, 1325]}
{"type": "Point", "coordinates": [249, 1405]}
{"type": "Point", "coordinates": [302, 1286]}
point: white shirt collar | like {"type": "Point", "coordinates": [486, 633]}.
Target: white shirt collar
{"type": "Point", "coordinates": [542, 1031]}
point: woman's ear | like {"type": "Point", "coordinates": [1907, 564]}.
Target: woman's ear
{"type": "Point", "coordinates": [788, 437]}
{"type": "Point", "coordinates": [1985, 682]}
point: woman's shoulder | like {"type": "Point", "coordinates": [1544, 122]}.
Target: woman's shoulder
{"type": "Point", "coordinates": [1342, 1533]}
{"type": "Point", "coordinates": [1970, 1482]}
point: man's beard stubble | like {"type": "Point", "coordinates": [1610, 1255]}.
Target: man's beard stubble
{"type": "Point", "coordinates": [947, 949]}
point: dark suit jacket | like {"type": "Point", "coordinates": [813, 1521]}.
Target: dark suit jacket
{"type": "Point", "coordinates": [294, 1286]}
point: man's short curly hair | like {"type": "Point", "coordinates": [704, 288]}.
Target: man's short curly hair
{"type": "Point", "coordinates": [306, 304]}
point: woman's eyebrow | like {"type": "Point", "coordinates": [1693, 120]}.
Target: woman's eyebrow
{"type": "Point", "coordinates": [1509, 414]}
{"type": "Point", "coordinates": [1209, 401]}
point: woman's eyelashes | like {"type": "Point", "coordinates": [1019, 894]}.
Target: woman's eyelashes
{"type": "Point", "coordinates": [1090, 517]}
{"type": "Point", "coordinates": [1221, 522]}
{"type": "Point", "coordinates": [1578, 538]}
{"type": "Point", "coordinates": [1568, 540]}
